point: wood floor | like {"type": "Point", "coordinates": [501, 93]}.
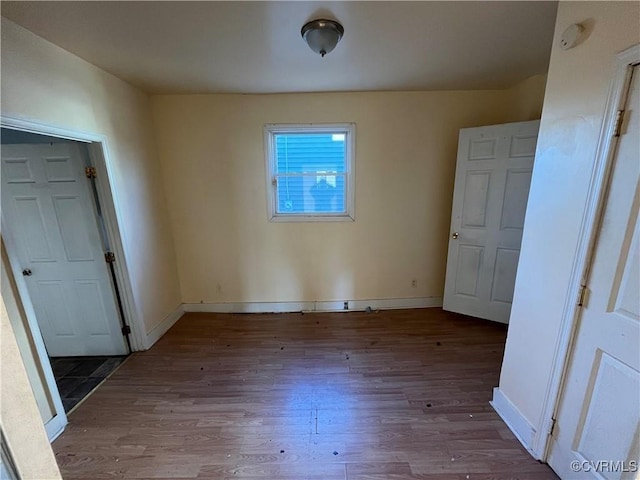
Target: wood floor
{"type": "Point", "coordinates": [351, 396]}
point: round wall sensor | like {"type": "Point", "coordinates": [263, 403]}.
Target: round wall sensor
{"type": "Point", "coordinates": [570, 36]}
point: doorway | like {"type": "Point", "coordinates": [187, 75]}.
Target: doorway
{"type": "Point", "coordinates": [60, 254]}
{"type": "Point", "coordinates": [50, 212]}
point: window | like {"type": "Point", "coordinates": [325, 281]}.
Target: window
{"type": "Point", "coordinates": [310, 172]}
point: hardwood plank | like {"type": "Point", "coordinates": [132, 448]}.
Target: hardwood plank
{"type": "Point", "coordinates": [350, 396]}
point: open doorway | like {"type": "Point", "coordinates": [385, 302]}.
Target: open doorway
{"type": "Point", "coordinates": [56, 240]}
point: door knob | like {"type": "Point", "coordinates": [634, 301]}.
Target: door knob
{"type": "Point", "coordinates": [455, 235]}
{"type": "Point", "coordinates": [27, 272]}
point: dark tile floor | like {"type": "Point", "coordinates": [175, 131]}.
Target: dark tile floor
{"type": "Point", "coordinates": [77, 376]}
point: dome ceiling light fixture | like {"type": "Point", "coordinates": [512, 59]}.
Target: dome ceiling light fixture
{"type": "Point", "coordinates": [322, 35]}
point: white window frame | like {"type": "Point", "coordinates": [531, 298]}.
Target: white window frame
{"type": "Point", "coordinates": [349, 130]}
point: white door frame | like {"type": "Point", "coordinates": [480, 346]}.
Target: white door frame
{"type": "Point", "coordinates": [99, 157]}
{"type": "Point", "coordinates": [605, 153]}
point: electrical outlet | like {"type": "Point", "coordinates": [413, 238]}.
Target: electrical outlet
{"type": "Point", "coordinates": [346, 305]}
{"type": "Point", "coordinates": [414, 283]}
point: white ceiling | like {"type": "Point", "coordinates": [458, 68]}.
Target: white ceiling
{"type": "Point", "coordinates": [256, 47]}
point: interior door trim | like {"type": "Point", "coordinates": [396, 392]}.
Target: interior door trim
{"type": "Point", "coordinates": [99, 156]}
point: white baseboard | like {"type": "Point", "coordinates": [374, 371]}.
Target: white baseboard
{"type": "Point", "coordinates": [323, 306]}
{"type": "Point", "coordinates": [516, 422]}
{"type": "Point", "coordinates": [159, 330]}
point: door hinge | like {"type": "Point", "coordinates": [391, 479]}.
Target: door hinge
{"type": "Point", "coordinates": [110, 257]}
{"type": "Point", "coordinates": [617, 127]}
{"type": "Point", "coordinates": [582, 296]}
{"type": "Point", "coordinates": [552, 426]}
{"type": "Point", "coordinates": [126, 330]}
{"type": "Point", "coordinates": [90, 172]}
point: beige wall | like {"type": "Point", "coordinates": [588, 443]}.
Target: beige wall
{"type": "Point", "coordinates": [44, 83]}
{"type": "Point", "coordinates": [212, 153]}
{"type": "Point", "coordinates": [525, 99]}
{"type": "Point", "coordinates": [577, 88]}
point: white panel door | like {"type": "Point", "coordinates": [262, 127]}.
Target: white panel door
{"type": "Point", "coordinates": [48, 209]}
{"type": "Point", "coordinates": [493, 174]}
{"type": "Point", "coordinates": [597, 434]}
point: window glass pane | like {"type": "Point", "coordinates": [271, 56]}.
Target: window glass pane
{"type": "Point", "coordinates": [319, 193]}
{"type": "Point", "coordinates": [310, 152]}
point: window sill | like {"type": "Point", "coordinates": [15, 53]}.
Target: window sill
{"type": "Point", "coordinates": [311, 218]}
